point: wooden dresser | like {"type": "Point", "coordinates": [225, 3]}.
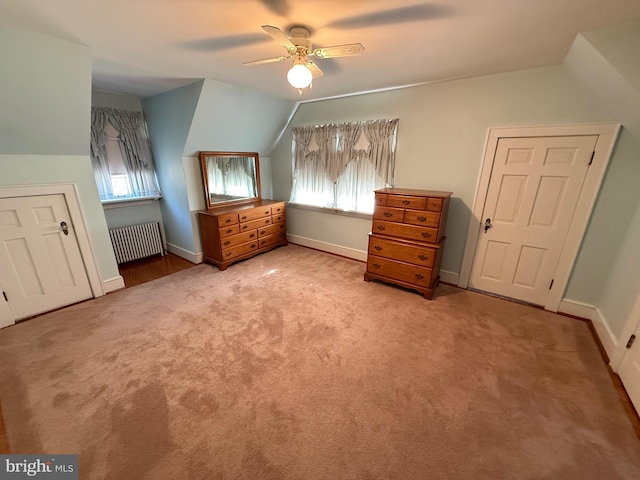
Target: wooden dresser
{"type": "Point", "coordinates": [234, 233]}
{"type": "Point", "coordinates": [407, 238]}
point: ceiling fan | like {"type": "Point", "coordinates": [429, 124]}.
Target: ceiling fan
{"type": "Point", "coordinates": [298, 47]}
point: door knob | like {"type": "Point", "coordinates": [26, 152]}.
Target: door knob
{"type": "Point", "coordinates": [487, 225]}
{"type": "Point", "coordinates": [65, 228]}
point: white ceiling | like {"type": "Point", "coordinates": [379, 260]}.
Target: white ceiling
{"type": "Point", "coordinates": [143, 47]}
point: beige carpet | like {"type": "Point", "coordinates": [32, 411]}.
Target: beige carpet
{"type": "Point", "coordinates": [290, 366]}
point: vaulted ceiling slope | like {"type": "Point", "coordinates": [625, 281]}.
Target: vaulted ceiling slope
{"type": "Point", "coordinates": [144, 47]}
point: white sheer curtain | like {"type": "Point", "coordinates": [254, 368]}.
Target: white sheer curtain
{"type": "Point", "coordinates": [231, 176]}
{"type": "Point", "coordinates": [337, 174]}
{"type": "Point", "coordinates": [134, 147]}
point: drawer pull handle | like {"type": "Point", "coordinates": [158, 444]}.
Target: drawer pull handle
{"type": "Point", "coordinates": [388, 214]}
{"type": "Point", "coordinates": [422, 219]}
{"type": "Point", "coordinates": [381, 227]}
{"type": "Point", "coordinates": [244, 217]}
{"type": "Point", "coordinates": [266, 221]}
{"type": "Point", "coordinates": [419, 276]}
{"type": "Point", "coordinates": [228, 254]}
{"type": "Point", "coordinates": [227, 242]}
{"type": "Point", "coordinates": [406, 202]}
{"type": "Point", "coordinates": [244, 227]}
{"type": "Point", "coordinates": [378, 247]}
{"type": "Point", "coordinates": [228, 220]}
{"type": "Point", "coordinates": [426, 234]}
{"type": "Point", "coordinates": [376, 265]}
{"type": "Point", "coordinates": [263, 242]}
{"type": "Point", "coordinates": [229, 230]}
{"type": "Point", "coordinates": [422, 257]}
{"type": "Point", "coordinates": [253, 245]}
{"type": "Point", "coordinates": [252, 235]}
{"type": "Point", "coordinates": [278, 209]}
{"type": "Point", "coordinates": [262, 232]}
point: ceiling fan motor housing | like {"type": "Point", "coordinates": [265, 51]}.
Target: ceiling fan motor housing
{"type": "Point", "coordinates": [300, 37]}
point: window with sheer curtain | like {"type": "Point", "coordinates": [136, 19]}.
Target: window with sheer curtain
{"type": "Point", "coordinates": [338, 166]}
{"type": "Point", "coordinates": [120, 155]}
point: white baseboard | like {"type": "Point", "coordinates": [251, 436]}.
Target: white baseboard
{"type": "Point", "coordinates": [113, 284]}
{"type": "Point", "coordinates": [186, 254]}
{"type": "Point", "coordinates": [328, 247]}
{"type": "Point", "coordinates": [449, 277]}
{"type": "Point", "coordinates": [583, 310]}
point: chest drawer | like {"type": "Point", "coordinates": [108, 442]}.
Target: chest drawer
{"type": "Point", "coordinates": [406, 201]}
{"type": "Point", "coordinates": [381, 199]}
{"type": "Point", "coordinates": [276, 209]}
{"type": "Point", "coordinates": [254, 213]}
{"type": "Point", "coordinates": [412, 232]}
{"type": "Point", "coordinates": [424, 256]}
{"type": "Point", "coordinates": [271, 229]}
{"type": "Point", "coordinates": [418, 217]}
{"type": "Point", "coordinates": [404, 272]}
{"type": "Point", "coordinates": [269, 239]}
{"type": "Point", "coordinates": [389, 214]}
{"type": "Point", "coordinates": [434, 204]}
{"type": "Point", "coordinates": [278, 218]}
{"type": "Point", "coordinates": [236, 251]}
{"type": "Point", "coordinates": [233, 240]}
{"type": "Point", "coordinates": [245, 227]}
{"type": "Point", "coordinates": [228, 219]}
{"type": "Point", "coordinates": [229, 230]}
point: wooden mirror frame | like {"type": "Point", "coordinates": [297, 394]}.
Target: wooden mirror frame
{"type": "Point", "coordinates": [205, 178]}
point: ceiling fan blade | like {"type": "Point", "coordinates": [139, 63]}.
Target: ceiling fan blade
{"type": "Point", "coordinates": [315, 70]}
{"type": "Point", "coordinates": [266, 60]}
{"type": "Point", "coordinates": [393, 16]}
{"type": "Point", "coordinates": [279, 36]}
{"type": "Point", "coordinates": [339, 51]}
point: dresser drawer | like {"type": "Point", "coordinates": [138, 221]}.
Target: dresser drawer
{"type": "Point", "coordinates": [278, 218]}
{"type": "Point", "coordinates": [233, 240]}
{"type": "Point", "coordinates": [381, 199]}
{"type": "Point", "coordinates": [245, 227]}
{"type": "Point", "coordinates": [423, 256]}
{"type": "Point", "coordinates": [271, 229]}
{"type": "Point", "coordinates": [227, 219]}
{"type": "Point", "coordinates": [418, 217]}
{"type": "Point", "coordinates": [434, 204]}
{"type": "Point", "coordinates": [276, 209]}
{"type": "Point", "coordinates": [389, 214]}
{"type": "Point", "coordinates": [412, 232]}
{"type": "Point", "coordinates": [254, 213]}
{"type": "Point", "coordinates": [406, 201]}
{"type": "Point", "coordinates": [229, 253]}
{"type": "Point", "coordinates": [404, 272]}
{"type": "Point", "coordinates": [229, 230]}
{"type": "Point", "coordinates": [270, 239]}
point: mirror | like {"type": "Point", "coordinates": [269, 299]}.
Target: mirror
{"type": "Point", "coordinates": [230, 177]}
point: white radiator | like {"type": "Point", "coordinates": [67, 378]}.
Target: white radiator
{"type": "Point", "coordinates": [136, 241]}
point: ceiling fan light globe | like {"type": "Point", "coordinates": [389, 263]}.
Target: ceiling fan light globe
{"type": "Point", "coordinates": [299, 76]}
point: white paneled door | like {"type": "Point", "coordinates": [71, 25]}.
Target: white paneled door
{"type": "Point", "coordinates": [41, 267]}
{"type": "Point", "coordinates": [533, 192]}
{"type": "Point", "coordinates": [629, 369]}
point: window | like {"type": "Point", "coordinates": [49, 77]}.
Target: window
{"type": "Point", "coordinates": [120, 155]}
{"type": "Point", "coordinates": [339, 166]}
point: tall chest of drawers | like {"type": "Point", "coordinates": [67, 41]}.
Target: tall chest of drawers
{"type": "Point", "coordinates": [234, 233]}
{"type": "Point", "coordinates": [407, 238]}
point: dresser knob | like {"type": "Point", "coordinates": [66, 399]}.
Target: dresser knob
{"type": "Point", "coordinates": [426, 234]}
{"type": "Point", "coordinates": [422, 219]}
{"type": "Point", "coordinates": [376, 265]}
{"type": "Point", "coordinates": [422, 257]}
{"type": "Point", "coordinates": [229, 230]}
{"type": "Point", "coordinates": [252, 235]}
{"type": "Point", "coordinates": [267, 212]}
{"type": "Point", "coordinates": [244, 217]}
{"type": "Point", "coordinates": [228, 254]}
{"type": "Point", "coordinates": [253, 245]}
{"type": "Point", "coordinates": [405, 202]}
{"type": "Point", "coordinates": [266, 221]}
{"type": "Point", "coordinates": [388, 214]}
{"type": "Point", "coordinates": [227, 242]}
{"type": "Point", "coordinates": [228, 220]}
{"type": "Point", "coordinates": [419, 276]}
{"type": "Point", "coordinates": [381, 227]}
{"type": "Point", "coordinates": [378, 247]}
{"type": "Point", "coordinates": [244, 227]}
{"type": "Point", "coordinates": [262, 232]}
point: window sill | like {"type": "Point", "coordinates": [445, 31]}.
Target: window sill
{"type": "Point", "coordinates": [128, 202]}
{"type": "Point", "coordinates": [331, 211]}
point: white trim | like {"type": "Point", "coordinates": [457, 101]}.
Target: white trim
{"type": "Point", "coordinates": [128, 202]}
{"type": "Point", "coordinates": [113, 284]}
{"type": "Point", "coordinates": [607, 134]}
{"type": "Point", "coordinates": [70, 192]}
{"type": "Point", "coordinates": [186, 254]}
{"type": "Point", "coordinates": [631, 327]}
{"type": "Point", "coordinates": [449, 277]}
{"type": "Point", "coordinates": [328, 247]}
{"type": "Point", "coordinates": [584, 310]}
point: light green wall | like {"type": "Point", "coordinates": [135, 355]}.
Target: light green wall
{"type": "Point", "coordinates": [441, 138]}
{"type": "Point", "coordinates": [45, 110]}
{"type": "Point", "coordinates": [169, 116]}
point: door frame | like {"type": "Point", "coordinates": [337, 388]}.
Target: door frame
{"type": "Point", "coordinates": [607, 134]}
{"type": "Point", "coordinates": [71, 196]}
